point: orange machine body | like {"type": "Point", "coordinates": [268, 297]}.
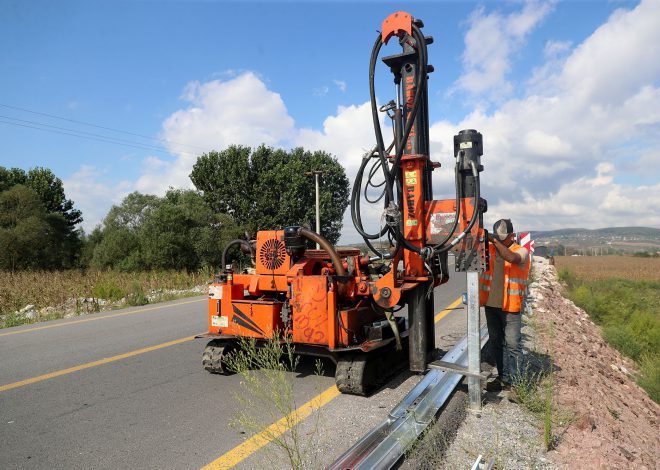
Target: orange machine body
{"type": "Point", "coordinates": [303, 297]}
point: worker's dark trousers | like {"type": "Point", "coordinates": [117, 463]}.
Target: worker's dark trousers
{"type": "Point", "coordinates": [504, 340]}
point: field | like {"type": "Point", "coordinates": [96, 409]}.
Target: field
{"type": "Point", "coordinates": [57, 288]}
{"type": "Point", "coordinates": [594, 268]}
{"type": "Point", "coordinates": [622, 295]}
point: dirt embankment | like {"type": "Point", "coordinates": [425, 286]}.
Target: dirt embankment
{"type": "Point", "coordinates": [615, 423]}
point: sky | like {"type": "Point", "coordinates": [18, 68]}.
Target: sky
{"type": "Point", "coordinates": [122, 96]}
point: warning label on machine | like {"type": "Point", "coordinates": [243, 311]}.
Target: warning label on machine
{"type": "Point", "coordinates": [221, 321]}
{"type": "Point", "coordinates": [441, 222]}
{"type": "Point", "coordinates": [215, 292]}
{"type": "Point", "coordinates": [411, 177]}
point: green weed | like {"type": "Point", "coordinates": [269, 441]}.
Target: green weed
{"type": "Point", "coordinates": [649, 375]}
{"type": "Point", "coordinates": [137, 296]}
{"type": "Point", "coordinates": [108, 290]}
{"type": "Point", "coordinates": [267, 396]}
{"type": "Point", "coordinates": [629, 313]}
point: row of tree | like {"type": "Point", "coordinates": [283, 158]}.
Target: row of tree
{"type": "Point", "coordinates": [238, 190]}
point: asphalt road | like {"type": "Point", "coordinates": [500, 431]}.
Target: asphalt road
{"type": "Point", "coordinates": [125, 389]}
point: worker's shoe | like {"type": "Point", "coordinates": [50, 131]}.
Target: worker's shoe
{"type": "Point", "coordinates": [495, 385]}
{"type": "Point", "coordinates": [509, 393]}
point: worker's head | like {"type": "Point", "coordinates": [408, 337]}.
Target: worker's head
{"type": "Point", "coordinates": [503, 231]}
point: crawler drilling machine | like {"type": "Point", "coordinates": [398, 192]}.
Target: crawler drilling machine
{"type": "Point", "coordinates": [339, 303]}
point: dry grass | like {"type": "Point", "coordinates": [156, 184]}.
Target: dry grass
{"type": "Point", "coordinates": [53, 288]}
{"type": "Point", "coordinates": [592, 268]}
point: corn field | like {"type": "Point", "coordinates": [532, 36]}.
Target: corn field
{"type": "Point", "coordinates": [595, 268]}
{"type": "Point", "coordinates": [53, 288]}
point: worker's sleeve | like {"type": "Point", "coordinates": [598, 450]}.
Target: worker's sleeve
{"type": "Point", "coordinates": [524, 254]}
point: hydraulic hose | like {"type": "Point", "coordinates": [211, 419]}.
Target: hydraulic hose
{"type": "Point", "coordinates": [391, 176]}
{"type": "Point", "coordinates": [246, 247]}
{"type": "Point", "coordinates": [420, 85]}
{"type": "Point", "coordinates": [355, 204]}
{"type": "Point", "coordinates": [380, 145]}
{"type": "Point", "coordinates": [393, 173]}
{"type": "Point", "coordinates": [327, 246]}
{"type": "Point", "coordinates": [457, 212]}
{"type": "Point", "coordinates": [475, 213]}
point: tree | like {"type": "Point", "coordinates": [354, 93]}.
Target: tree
{"type": "Point", "coordinates": [119, 239]}
{"type": "Point", "coordinates": [183, 233]}
{"type": "Point", "coordinates": [268, 188]}
{"type": "Point", "coordinates": [25, 229]}
{"type": "Point", "coordinates": [63, 217]}
{"type": "Point", "coordinates": [177, 231]}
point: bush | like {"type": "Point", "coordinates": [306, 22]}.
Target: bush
{"type": "Point", "coordinates": [567, 277]}
{"type": "Point", "coordinates": [649, 377]}
{"type": "Point", "coordinates": [628, 312]}
{"type": "Point", "coordinates": [136, 296]}
{"type": "Point", "coordinates": [109, 291]}
{"type": "Point", "coordinates": [624, 340]}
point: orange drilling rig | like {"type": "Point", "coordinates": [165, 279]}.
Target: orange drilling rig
{"type": "Point", "coordinates": [338, 303]}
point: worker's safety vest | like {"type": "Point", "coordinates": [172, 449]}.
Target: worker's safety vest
{"type": "Point", "coordinates": [515, 281]}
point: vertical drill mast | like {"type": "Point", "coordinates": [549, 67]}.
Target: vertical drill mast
{"type": "Point", "coordinates": [413, 174]}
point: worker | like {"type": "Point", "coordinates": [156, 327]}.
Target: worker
{"type": "Point", "coordinates": [502, 288]}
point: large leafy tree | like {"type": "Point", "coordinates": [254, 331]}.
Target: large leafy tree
{"type": "Point", "coordinates": [48, 187]}
{"type": "Point", "coordinates": [29, 236]}
{"type": "Point", "coordinates": [267, 188]}
{"type": "Point", "coordinates": [60, 215]}
{"type": "Point", "coordinates": [177, 231]}
{"type": "Point", "coordinates": [118, 245]}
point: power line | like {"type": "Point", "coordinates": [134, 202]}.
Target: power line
{"type": "Point", "coordinates": [73, 133]}
{"type": "Point", "coordinates": [112, 129]}
{"type": "Point", "coordinates": [92, 134]}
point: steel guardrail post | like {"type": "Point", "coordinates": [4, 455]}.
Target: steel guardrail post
{"type": "Point", "coordinates": [474, 341]}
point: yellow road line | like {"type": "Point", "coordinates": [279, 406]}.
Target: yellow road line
{"type": "Point", "coordinates": [88, 365]}
{"type": "Point", "coordinates": [256, 442]}
{"type": "Point", "coordinates": [113, 315]}
{"type": "Point", "coordinates": [440, 315]}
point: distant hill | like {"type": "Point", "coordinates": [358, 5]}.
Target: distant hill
{"type": "Point", "coordinates": [603, 240]}
{"type": "Point", "coordinates": [647, 233]}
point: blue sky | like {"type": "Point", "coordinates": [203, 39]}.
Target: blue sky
{"type": "Point", "coordinates": [566, 94]}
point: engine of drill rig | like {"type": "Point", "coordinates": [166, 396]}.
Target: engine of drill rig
{"type": "Point", "coordinates": [322, 297]}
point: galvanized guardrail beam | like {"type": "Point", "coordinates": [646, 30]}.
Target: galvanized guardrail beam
{"type": "Point", "coordinates": [384, 445]}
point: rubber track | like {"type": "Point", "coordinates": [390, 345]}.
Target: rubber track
{"type": "Point", "coordinates": [212, 356]}
{"type": "Point", "coordinates": [361, 374]}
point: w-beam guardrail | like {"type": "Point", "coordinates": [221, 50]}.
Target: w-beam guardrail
{"type": "Point", "coordinates": [384, 445]}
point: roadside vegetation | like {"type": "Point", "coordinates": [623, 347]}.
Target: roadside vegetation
{"type": "Point", "coordinates": [149, 244]}
{"type": "Point", "coordinates": [269, 407]}
{"type": "Point", "coordinates": [54, 294]}
{"type": "Point", "coordinates": [622, 295]}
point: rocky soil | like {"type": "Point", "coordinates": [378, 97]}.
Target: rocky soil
{"type": "Point", "coordinates": [601, 418]}
{"type": "Point", "coordinates": [615, 423]}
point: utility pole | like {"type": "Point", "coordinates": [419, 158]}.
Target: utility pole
{"type": "Point", "coordinates": [317, 174]}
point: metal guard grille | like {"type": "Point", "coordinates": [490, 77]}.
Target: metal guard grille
{"type": "Point", "coordinates": [272, 254]}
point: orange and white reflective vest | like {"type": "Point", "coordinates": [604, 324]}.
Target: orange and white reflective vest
{"type": "Point", "coordinates": [515, 281]}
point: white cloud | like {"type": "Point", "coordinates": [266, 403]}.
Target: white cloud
{"type": "Point", "coordinates": [594, 107]}
{"type": "Point", "coordinates": [94, 197]}
{"type": "Point", "coordinates": [586, 202]}
{"type": "Point", "coordinates": [341, 84]}
{"type": "Point", "coordinates": [490, 42]}
{"type": "Point", "coordinates": [240, 110]}
{"type": "Point", "coordinates": [348, 135]}
{"type": "Point", "coordinates": [554, 48]}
